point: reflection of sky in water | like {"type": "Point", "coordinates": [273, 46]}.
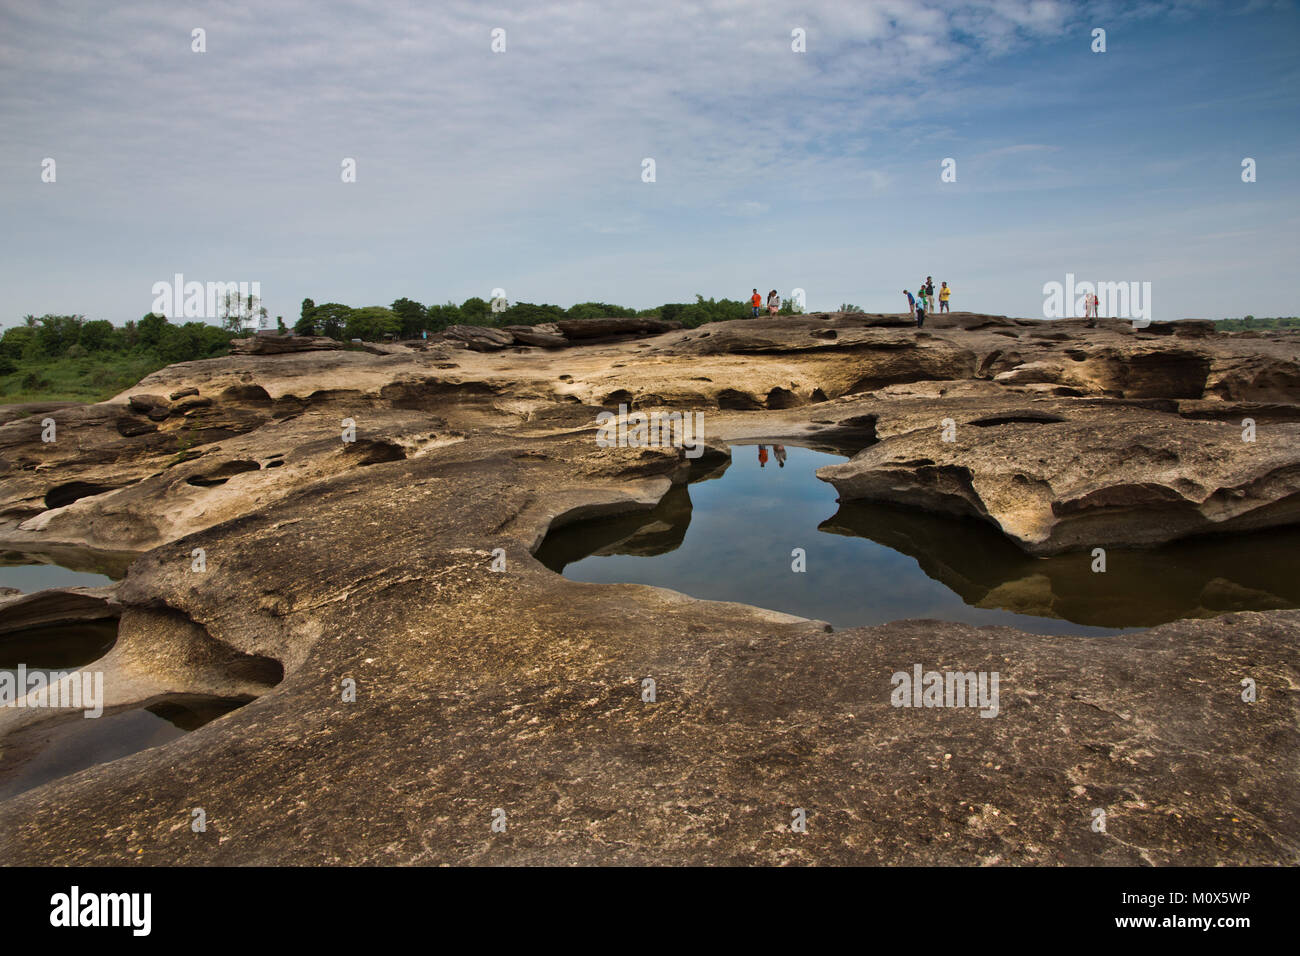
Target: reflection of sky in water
{"type": "Point", "coordinates": [737, 548]}
{"type": "Point", "coordinates": [79, 743]}
{"type": "Point", "coordinates": [37, 577]}
{"type": "Point", "coordinates": [744, 525]}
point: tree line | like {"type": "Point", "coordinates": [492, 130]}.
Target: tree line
{"type": "Point", "coordinates": [51, 337]}
{"type": "Point", "coordinates": [409, 319]}
{"type": "Point", "coordinates": [71, 357]}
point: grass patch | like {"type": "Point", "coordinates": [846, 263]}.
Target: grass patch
{"type": "Point", "coordinates": [93, 378]}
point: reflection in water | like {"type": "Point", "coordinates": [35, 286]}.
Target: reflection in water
{"type": "Point", "coordinates": [62, 568]}
{"type": "Point", "coordinates": [1200, 577]}
{"type": "Point", "coordinates": [58, 645]}
{"type": "Point", "coordinates": [54, 749]}
{"type": "Point", "coordinates": [731, 539]}
{"type": "Point", "coordinates": [68, 742]}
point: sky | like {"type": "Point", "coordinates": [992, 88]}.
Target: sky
{"type": "Point", "coordinates": [523, 170]}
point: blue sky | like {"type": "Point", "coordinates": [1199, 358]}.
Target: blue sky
{"type": "Point", "coordinates": [522, 170]}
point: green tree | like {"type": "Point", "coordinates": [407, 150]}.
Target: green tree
{"type": "Point", "coordinates": [332, 318]}
{"type": "Point", "coordinates": [704, 310]}
{"type": "Point", "coordinates": [15, 342]}
{"type": "Point", "coordinates": [306, 324]}
{"type": "Point", "coordinates": [599, 310]}
{"type": "Point", "coordinates": [372, 323]}
{"type": "Point", "coordinates": [215, 341]}
{"type": "Point", "coordinates": [525, 313]}
{"type": "Point", "coordinates": [441, 316]}
{"type": "Point", "coordinates": [129, 334]}
{"type": "Point", "coordinates": [848, 307]}
{"type": "Point", "coordinates": [150, 329]}
{"type": "Point", "coordinates": [55, 334]}
{"type": "Point", "coordinates": [475, 311]}
{"type": "Point", "coordinates": [412, 315]}
{"type": "Point", "coordinates": [180, 343]}
{"type": "Point", "coordinates": [98, 335]}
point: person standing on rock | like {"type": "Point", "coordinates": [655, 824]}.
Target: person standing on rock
{"type": "Point", "coordinates": [778, 452]}
{"type": "Point", "coordinates": [944, 292]}
{"type": "Point", "coordinates": [923, 301]}
{"type": "Point", "coordinates": [762, 455]}
{"type": "Point", "coordinates": [756, 301]}
{"type": "Point", "coordinates": [929, 290]}
{"type": "Point", "coordinates": [1091, 302]}
{"type": "Point", "coordinates": [773, 302]}
{"type": "Point", "coordinates": [920, 308]}
{"type": "Point", "coordinates": [911, 303]}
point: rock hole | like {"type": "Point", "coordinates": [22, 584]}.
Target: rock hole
{"type": "Point", "coordinates": [63, 495]}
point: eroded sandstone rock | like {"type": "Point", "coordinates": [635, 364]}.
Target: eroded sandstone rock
{"type": "Point", "coordinates": [373, 561]}
{"type": "Point", "coordinates": [282, 344]}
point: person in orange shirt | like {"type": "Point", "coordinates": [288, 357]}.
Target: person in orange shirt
{"type": "Point", "coordinates": [762, 455]}
{"type": "Point", "coordinates": [756, 301]}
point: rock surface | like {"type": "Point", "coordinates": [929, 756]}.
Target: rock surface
{"type": "Point", "coordinates": [282, 344]}
{"type": "Point", "coordinates": [371, 561]}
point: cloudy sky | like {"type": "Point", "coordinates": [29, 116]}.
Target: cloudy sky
{"type": "Point", "coordinates": [522, 169]}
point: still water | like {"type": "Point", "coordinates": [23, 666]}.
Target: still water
{"type": "Point", "coordinates": [729, 537]}
{"type": "Point", "coordinates": [63, 745]}
{"type": "Point", "coordinates": [65, 568]}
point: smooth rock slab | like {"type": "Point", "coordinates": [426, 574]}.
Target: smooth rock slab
{"type": "Point", "coordinates": [1103, 476]}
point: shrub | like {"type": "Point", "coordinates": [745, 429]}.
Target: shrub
{"type": "Point", "coordinates": [15, 341]}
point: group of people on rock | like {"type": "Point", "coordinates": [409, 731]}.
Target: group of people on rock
{"type": "Point", "coordinates": [773, 302]}
{"type": "Point", "coordinates": [918, 304]}
{"type": "Point", "coordinates": [923, 301]}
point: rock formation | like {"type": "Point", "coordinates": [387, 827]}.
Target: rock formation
{"type": "Point", "coordinates": [371, 560]}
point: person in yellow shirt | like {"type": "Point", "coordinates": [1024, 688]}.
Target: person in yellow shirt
{"type": "Point", "coordinates": [944, 292]}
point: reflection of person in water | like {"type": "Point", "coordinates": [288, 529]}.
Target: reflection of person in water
{"type": "Point", "coordinates": [778, 452]}
{"type": "Point", "coordinates": [762, 455]}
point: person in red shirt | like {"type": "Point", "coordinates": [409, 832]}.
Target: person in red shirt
{"type": "Point", "coordinates": [762, 455]}
{"type": "Point", "coordinates": [756, 301]}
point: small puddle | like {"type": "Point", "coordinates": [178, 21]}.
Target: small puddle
{"type": "Point", "coordinates": [730, 537]}
{"type": "Point", "coordinates": [68, 568]}
{"type": "Point", "coordinates": [66, 743]}
{"type": "Point", "coordinates": [51, 750]}
{"type": "Point", "coordinates": [61, 647]}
